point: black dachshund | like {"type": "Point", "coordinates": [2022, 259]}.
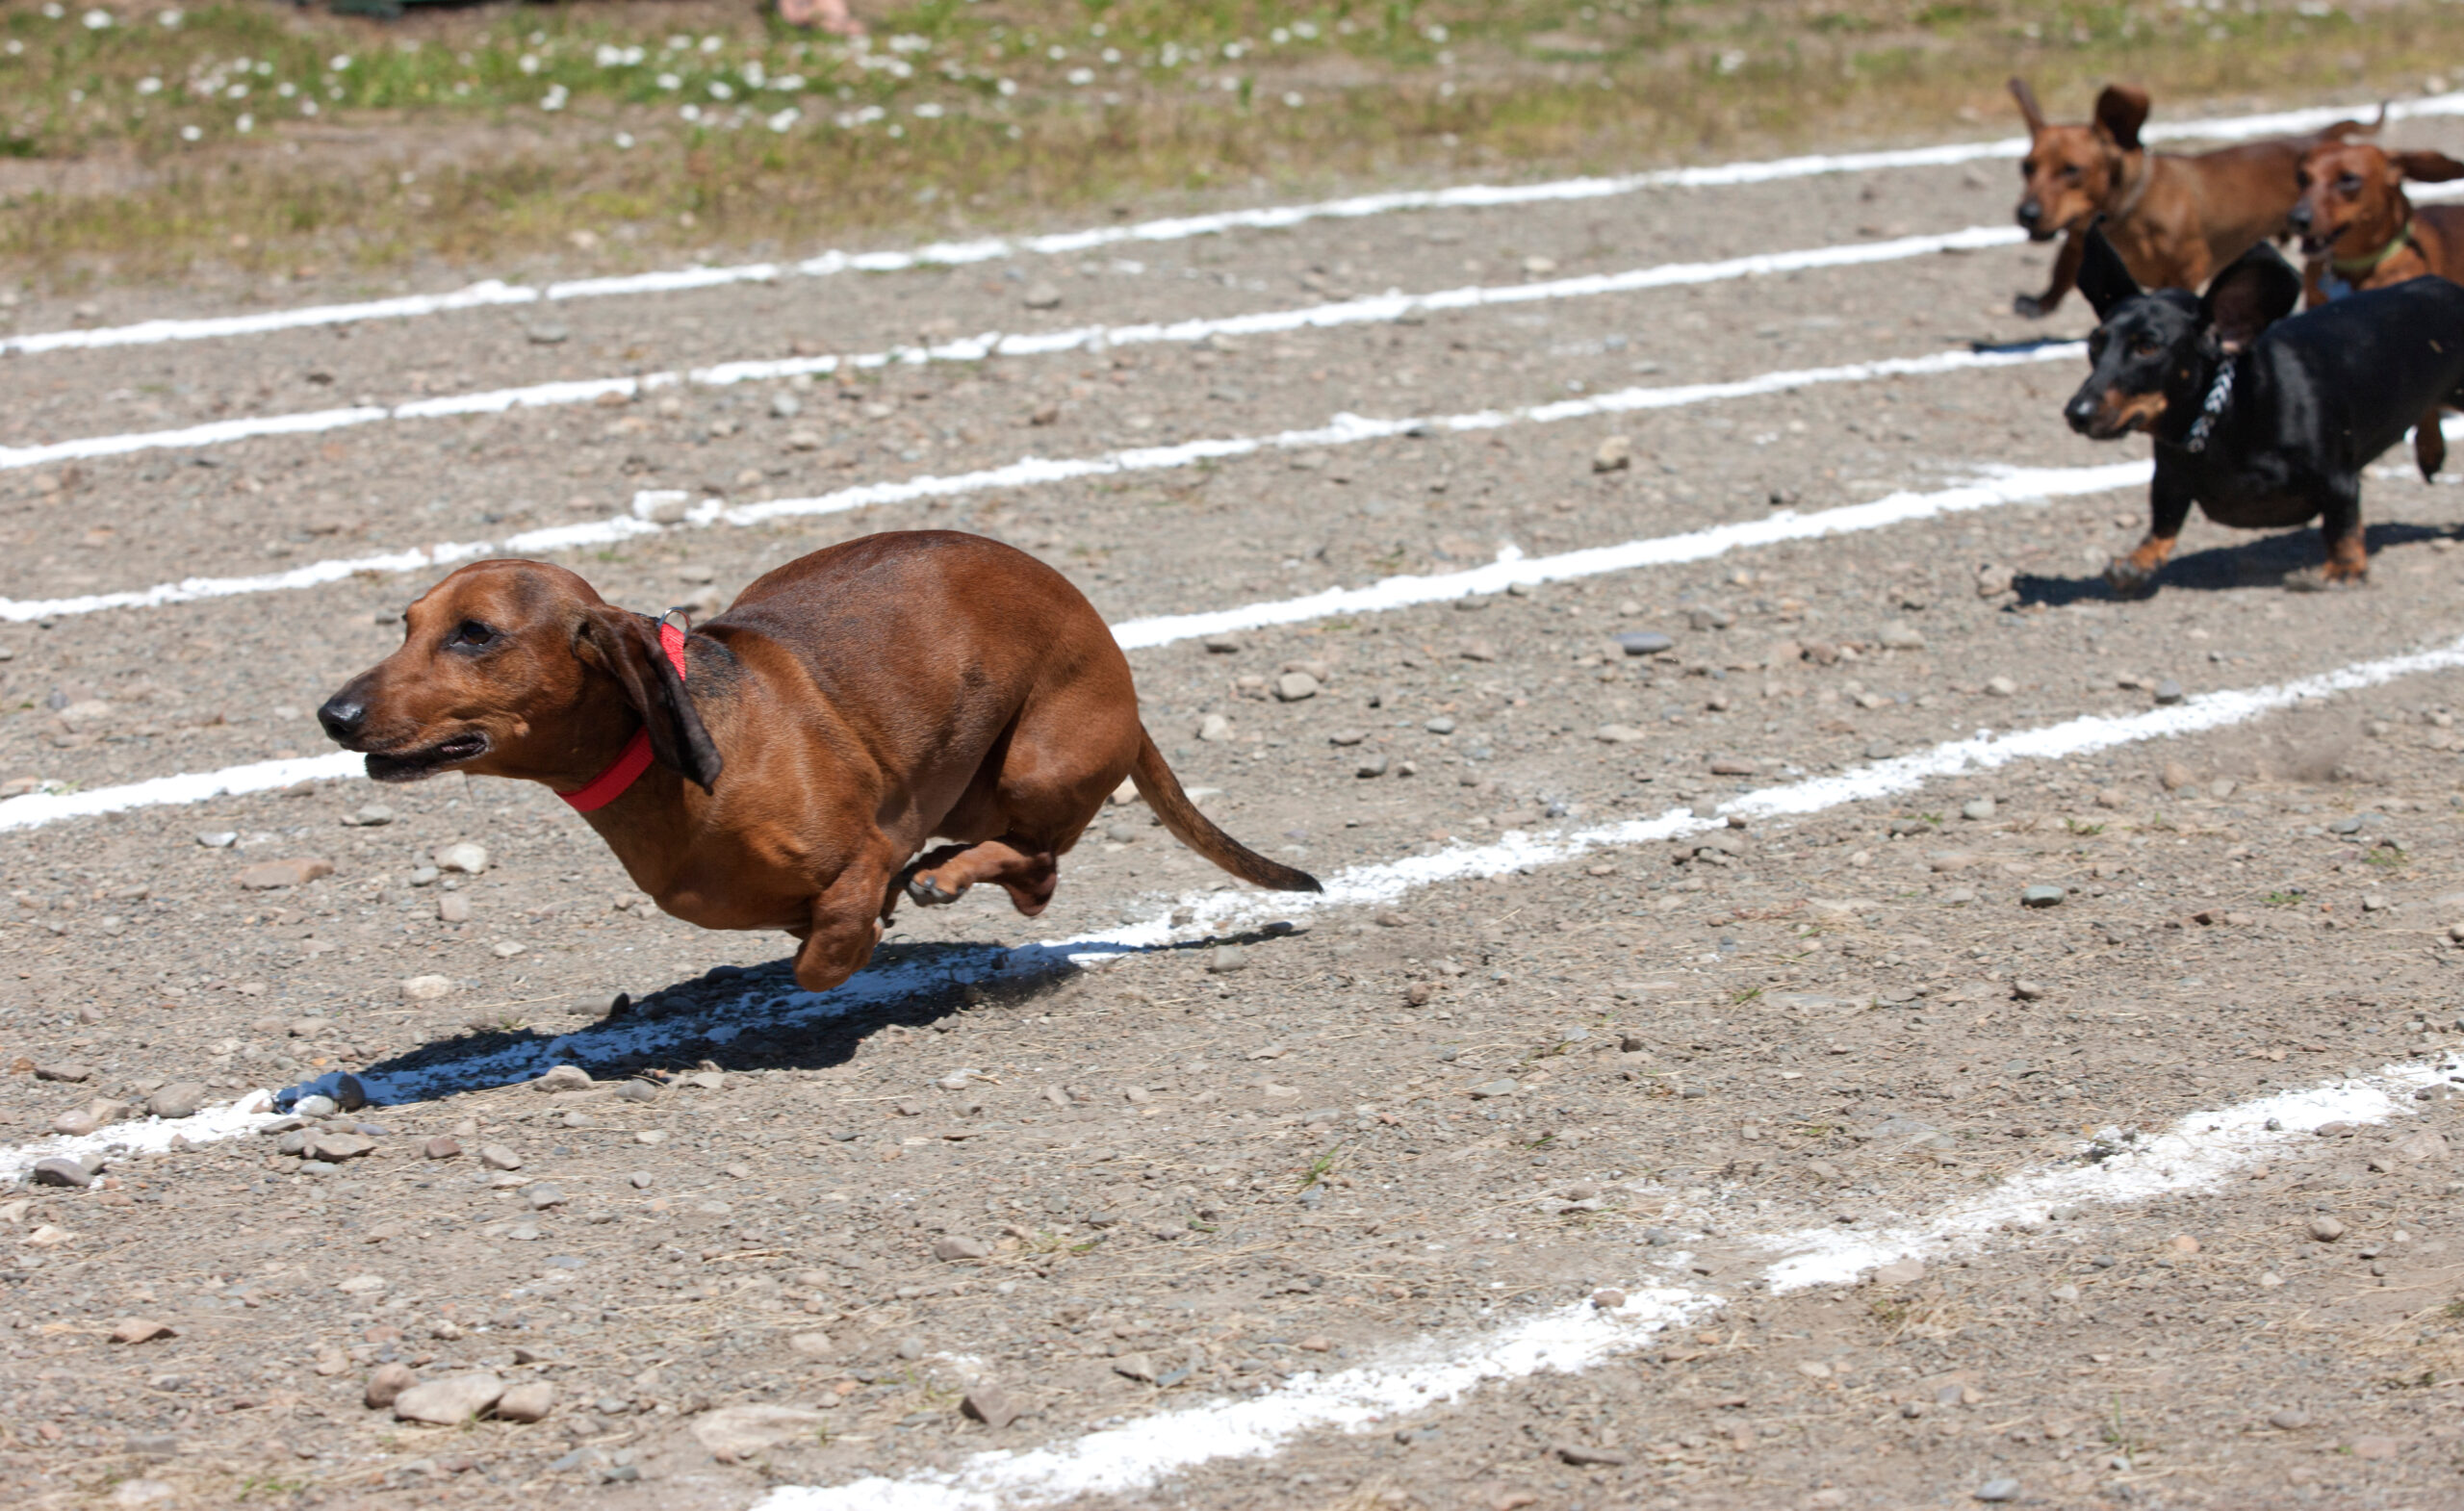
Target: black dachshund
{"type": "Point", "coordinates": [2261, 420]}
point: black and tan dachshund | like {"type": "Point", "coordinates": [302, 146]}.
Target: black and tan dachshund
{"type": "Point", "coordinates": [2261, 420]}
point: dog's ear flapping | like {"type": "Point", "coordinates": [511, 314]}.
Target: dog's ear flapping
{"type": "Point", "coordinates": [2122, 110]}
{"type": "Point", "coordinates": [626, 646]}
{"type": "Point", "coordinates": [2103, 276]}
{"type": "Point", "coordinates": [2257, 289]}
{"type": "Point", "coordinates": [2426, 168]}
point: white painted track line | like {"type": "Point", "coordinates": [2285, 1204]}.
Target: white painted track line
{"type": "Point", "coordinates": [2000, 487]}
{"type": "Point", "coordinates": [2199, 1152]}
{"type": "Point", "coordinates": [1380, 309]}
{"type": "Point", "coordinates": [1380, 883]}
{"type": "Point", "coordinates": [1470, 196]}
{"type": "Point", "coordinates": [1342, 429]}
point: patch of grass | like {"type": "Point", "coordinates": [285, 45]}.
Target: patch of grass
{"type": "Point", "coordinates": [2385, 858]}
{"type": "Point", "coordinates": [2081, 829]}
{"type": "Point", "coordinates": [277, 139]}
{"type": "Point", "coordinates": [2282, 899]}
{"type": "Point", "coordinates": [1320, 1167]}
{"type": "Point", "coordinates": [1739, 998]}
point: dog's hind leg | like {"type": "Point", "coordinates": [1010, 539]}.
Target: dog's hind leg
{"type": "Point", "coordinates": [2430, 445]}
{"type": "Point", "coordinates": [1027, 871]}
{"type": "Point", "coordinates": [2348, 563]}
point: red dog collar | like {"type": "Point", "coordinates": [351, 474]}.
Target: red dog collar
{"type": "Point", "coordinates": [611, 784]}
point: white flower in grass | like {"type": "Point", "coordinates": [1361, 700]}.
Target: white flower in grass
{"type": "Point", "coordinates": [929, 110]}
{"type": "Point", "coordinates": [339, 63]}
{"type": "Point", "coordinates": [528, 63]}
{"type": "Point", "coordinates": [169, 19]}
{"type": "Point", "coordinates": [97, 21]}
{"type": "Point", "coordinates": [191, 133]}
{"type": "Point", "coordinates": [557, 95]}
{"type": "Point", "coordinates": [244, 124]}
{"type": "Point", "coordinates": [784, 120]}
{"type": "Point", "coordinates": [669, 81]}
{"type": "Point", "coordinates": [1082, 77]}
{"type": "Point", "coordinates": [719, 91]}
{"type": "Point", "coordinates": [149, 84]}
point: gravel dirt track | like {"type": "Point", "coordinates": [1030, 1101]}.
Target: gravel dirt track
{"type": "Point", "coordinates": [1311, 1141]}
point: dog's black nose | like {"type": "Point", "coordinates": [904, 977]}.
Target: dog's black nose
{"type": "Point", "coordinates": [2299, 217]}
{"type": "Point", "coordinates": [2030, 213]}
{"type": "Point", "coordinates": [342, 716]}
{"type": "Point", "coordinates": [2081, 413]}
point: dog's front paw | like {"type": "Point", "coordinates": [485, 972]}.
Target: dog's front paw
{"type": "Point", "coordinates": [2029, 307]}
{"type": "Point", "coordinates": [2128, 579]}
{"type": "Point", "coordinates": [2323, 579]}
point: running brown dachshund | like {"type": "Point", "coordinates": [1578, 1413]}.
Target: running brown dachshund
{"type": "Point", "coordinates": [2359, 231]}
{"type": "Point", "coordinates": [2177, 220]}
{"type": "Point", "coordinates": [783, 765]}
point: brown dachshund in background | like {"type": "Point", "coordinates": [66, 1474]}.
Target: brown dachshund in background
{"type": "Point", "coordinates": [782, 766]}
{"type": "Point", "coordinates": [2359, 231]}
{"type": "Point", "coordinates": [2176, 221]}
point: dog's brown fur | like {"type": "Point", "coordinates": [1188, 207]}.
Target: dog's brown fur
{"type": "Point", "coordinates": [2174, 219]}
{"type": "Point", "coordinates": [2353, 207]}
{"type": "Point", "coordinates": [848, 708]}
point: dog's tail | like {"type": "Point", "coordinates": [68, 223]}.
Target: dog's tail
{"type": "Point", "coordinates": [1163, 793]}
{"type": "Point", "coordinates": [2345, 129]}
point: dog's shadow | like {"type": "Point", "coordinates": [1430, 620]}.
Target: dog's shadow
{"type": "Point", "coordinates": [2264, 562]}
{"type": "Point", "coordinates": [749, 1018]}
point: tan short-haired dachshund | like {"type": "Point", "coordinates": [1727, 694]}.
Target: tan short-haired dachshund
{"type": "Point", "coordinates": [783, 765]}
{"type": "Point", "coordinates": [2177, 220]}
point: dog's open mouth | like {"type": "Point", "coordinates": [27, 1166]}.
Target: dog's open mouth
{"type": "Point", "coordinates": [412, 765]}
{"type": "Point", "coordinates": [2318, 244]}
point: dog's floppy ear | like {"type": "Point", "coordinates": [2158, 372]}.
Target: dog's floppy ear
{"type": "Point", "coordinates": [2257, 289]}
{"type": "Point", "coordinates": [625, 647]}
{"type": "Point", "coordinates": [2029, 111]}
{"type": "Point", "coordinates": [2122, 110]}
{"type": "Point", "coordinates": [2103, 276]}
{"type": "Point", "coordinates": [2426, 168]}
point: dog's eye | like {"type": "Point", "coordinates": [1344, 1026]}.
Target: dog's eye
{"type": "Point", "coordinates": [470, 632]}
{"type": "Point", "coordinates": [2145, 348]}
{"type": "Point", "coordinates": [2349, 183]}
{"type": "Point", "coordinates": [2028, 170]}
{"type": "Point", "coordinates": [2071, 174]}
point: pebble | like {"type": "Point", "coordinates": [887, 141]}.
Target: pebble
{"type": "Point", "coordinates": [63, 1172]}
{"type": "Point", "coordinates": [497, 1156]}
{"type": "Point", "coordinates": [1134, 1367]}
{"type": "Point", "coordinates": [179, 1100]}
{"type": "Point", "coordinates": [2325, 1229]}
{"type": "Point", "coordinates": [2289, 1419]}
{"type": "Point", "coordinates": [385, 1383]}
{"type": "Point", "coordinates": [1214, 729]}
{"type": "Point", "coordinates": [1900, 636]}
{"type": "Point", "coordinates": [1978, 809]}
{"type": "Point", "coordinates": [450, 1401]}
{"type": "Point", "coordinates": [784, 406]}
{"type": "Point", "coordinates": [539, 1196]}
{"type": "Point", "coordinates": [267, 875]}
{"type": "Point", "coordinates": [954, 1248]}
{"type": "Point", "coordinates": [1221, 645]}
{"type": "Point", "coordinates": [549, 335]}
{"type": "Point", "coordinates": [64, 1070]}
{"type": "Point", "coordinates": [316, 1105]}
{"type": "Point", "coordinates": [218, 838]}
{"type": "Point", "coordinates": [527, 1402]}
{"type": "Point", "coordinates": [1042, 295]}
{"type": "Point", "coordinates": [1619, 735]}
{"type": "Point", "coordinates": [76, 1124]}
{"type": "Point", "coordinates": [1501, 1086]}
{"type": "Point", "coordinates": [1614, 455]}
{"type": "Point", "coordinates": [372, 815]}
{"type": "Point", "coordinates": [564, 1078]}
{"type": "Point", "coordinates": [425, 988]}
{"type": "Point", "coordinates": [813, 1345]}
{"type": "Point", "coordinates": [1609, 1298]}
{"type": "Point", "coordinates": [1644, 642]}
{"type": "Point", "coordinates": [2373, 1447]}
{"type": "Point", "coordinates": [1296, 686]}
{"type": "Point", "coordinates": [738, 1432]}
{"type": "Point", "coordinates": [1906, 1271]}
{"type": "Point", "coordinates": [2027, 990]}
{"type": "Point", "coordinates": [464, 857]}
{"type": "Point", "coordinates": [1442, 724]}
{"type": "Point", "coordinates": [2043, 896]}
{"type": "Point", "coordinates": [2169, 692]}
{"type": "Point", "coordinates": [1374, 766]}
{"type": "Point", "coordinates": [140, 1330]}
{"type": "Point", "coordinates": [441, 1147]}
{"type": "Point", "coordinates": [452, 908]}
{"type": "Point", "coordinates": [1577, 1453]}
{"type": "Point", "coordinates": [334, 1147]}
{"type": "Point", "coordinates": [1225, 959]}
{"type": "Point", "coordinates": [989, 1404]}
{"type": "Point", "coordinates": [1998, 1490]}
